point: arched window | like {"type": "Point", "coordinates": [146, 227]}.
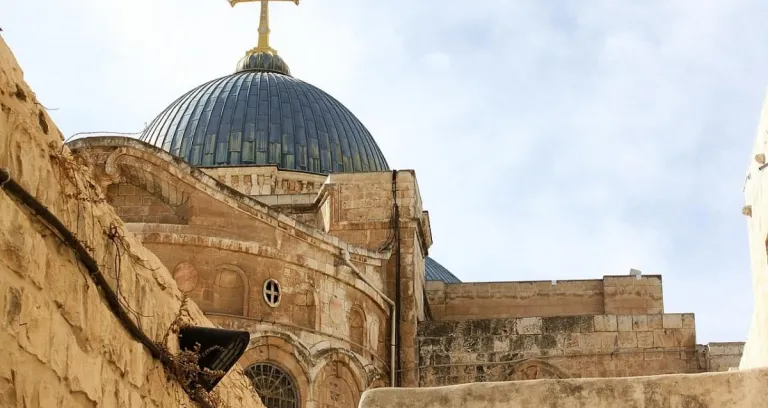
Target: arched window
{"type": "Point", "coordinates": [357, 329]}
{"type": "Point", "coordinates": [303, 309]}
{"type": "Point", "coordinates": [229, 290]}
{"type": "Point", "coordinates": [275, 386]}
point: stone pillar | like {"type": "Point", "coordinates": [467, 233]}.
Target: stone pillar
{"type": "Point", "coordinates": [413, 247]}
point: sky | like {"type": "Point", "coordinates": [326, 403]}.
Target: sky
{"type": "Point", "coordinates": [565, 139]}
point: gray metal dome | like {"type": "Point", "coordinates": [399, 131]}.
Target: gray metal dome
{"type": "Point", "coordinates": [265, 118]}
{"type": "Point", "coordinates": [433, 271]}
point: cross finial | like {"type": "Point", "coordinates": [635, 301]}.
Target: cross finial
{"type": "Point", "coordinates": [263, 44]}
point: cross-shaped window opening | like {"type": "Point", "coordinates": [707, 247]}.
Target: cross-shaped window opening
{"type": "Point", "coordinates": [272, 292]}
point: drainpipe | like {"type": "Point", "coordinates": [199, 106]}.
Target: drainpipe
{"type": "Point", "coordinates": [398, 286]}
{"type": "Point", "coordinates": [393, 316]}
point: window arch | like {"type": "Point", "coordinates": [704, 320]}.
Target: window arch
{"type": "Point", "coordinates": [304, 308]}
{"type": "Point", "coordinates": [357, 329]}
{"type": "Point", "coordinates": [274, 385]}
{"type": "Point", "coordinates": [229, 293]}
{"type": "Point", "coordinates": [534, 369]}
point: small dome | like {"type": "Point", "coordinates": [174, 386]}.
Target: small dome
{"type": "Point", "coordinates": [435, 272]}
{"type": "Point", "coordinates": [263, 61]}
{"type": "Point", "coordinates": [259, 117]}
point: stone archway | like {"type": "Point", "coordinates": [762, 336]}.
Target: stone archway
{"type": "Point", "coordinates": [535, 369]}
{"type": "Point", "coordinates": [335, 387]}
{"type": "Point", "coordinates": [275, 356]}
{"type": "Point", "coordinates": [274, 385]}
{"type": "Point", "coordinates": [339, 381]}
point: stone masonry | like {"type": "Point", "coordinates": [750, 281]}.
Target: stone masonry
{"type": "Point", "coordinates": [456, 352]}
{"type": "Point", "coordinates": [61, 344]}
{"type": "Point", "coordinates": [610, 295]}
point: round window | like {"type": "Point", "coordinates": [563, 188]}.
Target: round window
{"type": "Point", "coordinates": [272, 293]}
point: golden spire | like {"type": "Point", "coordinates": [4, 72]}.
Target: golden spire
{"type": "Point", "coordinates": [263, 44]}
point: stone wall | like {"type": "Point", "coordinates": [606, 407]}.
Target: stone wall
{"type": "Point", "coordinates": [723, 356]}
{"type": "Point", "coordinates": [455, 352]}
{"type": "Point", "coordinates": [756, 211]}
{"type": "Point", "coordinates": [61, 344]}
{"type": "Point", "coordinates": [712, 390]}
{"type": "Point", "coordinates": [134, 204]}
{"type": "Point", "coordinates": [266, 180]}
{"type": "Point", "coordinates": [482, 300]}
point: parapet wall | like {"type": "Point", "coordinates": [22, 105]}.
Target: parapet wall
{"type": "Point", "coordinates": [456, 352]}
{"type": "Point", "coordinates": [724, 356]}
{"type": "Point", "coordinates": [713, 390]}
{"type": "Point", "coordinates": [62, 346]}
{"type": "Point", "coordinates": [610, 295]}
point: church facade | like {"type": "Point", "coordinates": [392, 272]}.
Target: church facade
{"type": "Point", "coordinates": [277, 213]}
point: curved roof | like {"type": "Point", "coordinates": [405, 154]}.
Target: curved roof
{"type": "Point", "coordinates": [256, 117]}
{"type": "Point", "coordinates": [436, 272]}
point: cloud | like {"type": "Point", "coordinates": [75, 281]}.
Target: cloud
{"type": "Point", "coordinates": [552, 140]}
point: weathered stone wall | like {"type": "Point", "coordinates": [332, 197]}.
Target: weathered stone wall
{"type": "Point", "coordinates": [630, 295]}
{"type": "Point", "coordinates": [756, 211]}
{"type": "Point", "coordinates": [301, 207]}
{"type": "Point", "coordinates": [134, 204]}
{"type": "Point", "coordinates": [712, 390]}
{"type": "Point", "coordinates": [482, 300]}
{"type": "Point", "coordinates": [723, 356]}
{"type": "Point", "coordinates": [313, 303]}
{"type": "Point", "coordinates": [61, 344]}
{"type": "Point", "coordinates": [266, 180]}
{"type": "Point", "coordinates": [514, 299]}
{"type": "Point", "coordinates": [455, 352]}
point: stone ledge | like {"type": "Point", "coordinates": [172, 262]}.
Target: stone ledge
{"type": "Point", "coordinates": [741, 389]}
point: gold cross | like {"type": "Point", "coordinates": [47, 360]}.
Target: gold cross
{"type": "Point", "coordinates": [263, 44]}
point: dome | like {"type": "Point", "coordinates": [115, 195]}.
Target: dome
{"type": "Point", "coordinates": [263, 116]}
{"type": "Point", "coordinates": [433, 271]}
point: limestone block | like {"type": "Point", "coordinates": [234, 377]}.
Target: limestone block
{"type": "Point", "coordinates": [35, 325]}
{"type": "Point", "coordinates": [655, 321]}
{"type": "Point", "coordinates": [591, 341]}
{"type": "Point", "coordinates": [606, 323]}
{"type": "Point", "coordinates": [625, 322]}
{"type": "Point", "coordinates": [640, 323]}
{"type": "Point", "coordinates": [688, 321]}
{"type": "Point", "coordinates": [50, 393]}
{"type": "Point", "coordinates": [529, 325]}
{"type": "Point", "coordinates": [84, 371]}
{"type": "Point", "coordinates": [645, 339]}
{"type": "Point", "coordinates": [667, 338]}
{"type": "Point", "coordinates": [673, 321]}
{"type": "Point", "coordinates": [109, 386]}
{"type": "Point", "coordinates": [609, 340]}
{"type": "Point", "coordinates": [627, 339]}
{"type": "Point", "coordinates": [66, 290]}
{"type": "Point", "coordinates": [61, 338]}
